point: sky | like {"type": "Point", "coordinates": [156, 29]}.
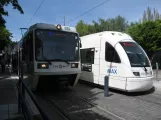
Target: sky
{"type": "Point", "coordinates": [52, 11]}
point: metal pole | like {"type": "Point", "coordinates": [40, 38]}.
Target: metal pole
{"type": "Point", "coordinates": [156, 70]}
{"type": "Point", "coordinates": [23, 89]}
{"type": "Point", "coordinates": [106, 84]}
{"type": "Point", "coordinates": [23, 29]}
{"type": "Point", "coordinates": [64, 20]}
{"type": "Point", "coordinates": [20, 86]}
{"type": "Point", "coordinates": [106, 79]}
{"type": "Point", "coordinates": [21, 32]}
{"type": "Point", "coordinates": [19, 99]}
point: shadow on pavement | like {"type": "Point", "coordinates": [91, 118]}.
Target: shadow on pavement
{"type": "Point", "coordinates": [152, 90]}
{"type": "Point", "coordinates": [72, 106]}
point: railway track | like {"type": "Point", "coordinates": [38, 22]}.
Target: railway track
{"type": "Point", "coordinates": [53, 110]}
{"type": "Point", "coordinates": [108, 112]}
{"type": "Point", "coordinates": [74, 107]}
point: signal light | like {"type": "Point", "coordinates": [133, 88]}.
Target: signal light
{"type": "Point", "coordinates": [128, 44]}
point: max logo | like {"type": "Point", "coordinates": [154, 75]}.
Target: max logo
{"type": "Point", "coordinates": [112, 70]}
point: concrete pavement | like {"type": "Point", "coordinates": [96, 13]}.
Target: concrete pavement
{"type": "Point", "coordinates": [8, 99]}
{"type": "Point", "coordinates": [133, 106]}
{"type": "Point", "coordinates": [157, 75]}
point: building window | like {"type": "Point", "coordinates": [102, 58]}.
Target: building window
{"type": "Point", "coordinates": [110, 54]}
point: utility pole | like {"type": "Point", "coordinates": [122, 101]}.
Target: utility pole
{"type": "Point", "coordinates": [64, 20]}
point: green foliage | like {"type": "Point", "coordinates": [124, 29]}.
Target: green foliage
{"type": "Point", "coordinates": [147, 31]}
{"type": "Point", "coordinates": [3, 3]}
{"type": "Point", "coordinates": [5, 35]}
{"type": "Point", "coordinates": [114, 24]}
{"type": "Point", "coordinates": [82, 28]}
{"type": "Point", "coordinates": [13, 44]}
{"type": "Point", "coordinates": [147, 34]}
{"type": "Point", "coordinates": [14, 3]}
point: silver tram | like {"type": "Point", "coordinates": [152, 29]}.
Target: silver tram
{"type": "Point", "coordinates": [50, 55]}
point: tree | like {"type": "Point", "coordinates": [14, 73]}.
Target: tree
{"type": "Point", "coordinates": [146, 31]}
{"type": "Point", "coordinates": [148, 35]}
{"type": "Point", "coordinates": [82, 28]}
{"type": "Point", "coordinates": [5, 37]}
{"type": "Point", "coordinates": [150, 15]}
{"type": "Point", "coordinates": [3, 3]}
{"type": "Point", "coordinates": [118, 23]}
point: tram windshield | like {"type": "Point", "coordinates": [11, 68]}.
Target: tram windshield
{"type": "Point", "coordinates": [136, 55]}
{"type": "Point", "coordinates": [56, 45]}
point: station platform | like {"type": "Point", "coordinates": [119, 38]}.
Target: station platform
{"type": "Point", "coordinates": [8, 99]}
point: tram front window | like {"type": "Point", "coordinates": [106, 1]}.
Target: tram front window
{"type": "Point", "coordinates": [135, 54]}
{"type": "Point", "coordinates": [56, 45]}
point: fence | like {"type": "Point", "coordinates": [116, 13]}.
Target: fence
{"type": "Point", "coordinates": [22, 105]}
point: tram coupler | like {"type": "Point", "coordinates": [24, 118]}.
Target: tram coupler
{"type": "Point", "coordinates": [64, 84]}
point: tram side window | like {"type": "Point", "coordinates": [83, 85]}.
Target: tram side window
{"type": "Point", "coordinates": [29, 44]}
{"type": "Point", "coordinates": [87, 55]}
{"type": "Point", "coordinates": [24, 46]}
{"type": "Point", "coordinates": [111, 54]}
{"type": "Point", "coordinates": [31, 47]}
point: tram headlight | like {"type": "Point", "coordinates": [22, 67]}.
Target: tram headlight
{"type": "Point", "coordinates": [58, 27]}
{"type": "Point", "coordinates": [74, 65]}
{"type": "Point", "coordinates": [136, 73]}
{"type": "Point", "coordinates": [42, 66]}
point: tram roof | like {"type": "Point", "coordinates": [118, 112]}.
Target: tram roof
{"type": "Point", "coordinates": [51, 27]}
{"type": "Point", "coordinates": [48, 27]}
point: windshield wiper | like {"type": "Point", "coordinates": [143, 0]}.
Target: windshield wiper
{"type": "Point", "coordinates": [47, 60]}
{"type": "Point", "coordinates": [61, 60]}
{"type": "Point", "coordinates": [45, 57]}
{"type": "Point", "coordinates": [141, 62]}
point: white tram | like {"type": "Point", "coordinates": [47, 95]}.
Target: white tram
{"type": "Point", "coordinates": [50, 55]}
{"type": "Point", "coordinates": [115, 54]}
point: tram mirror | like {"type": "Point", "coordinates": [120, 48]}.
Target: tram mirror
{"type": "Point", "coordinates": [80, 43]}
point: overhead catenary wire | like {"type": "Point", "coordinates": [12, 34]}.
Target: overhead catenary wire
{"type": "Point", "coordinates": [88, 11]}
{"type": "Point", "coordinates": [35, 12]}
{"type": "Point", "coordinates": [63, 18]}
